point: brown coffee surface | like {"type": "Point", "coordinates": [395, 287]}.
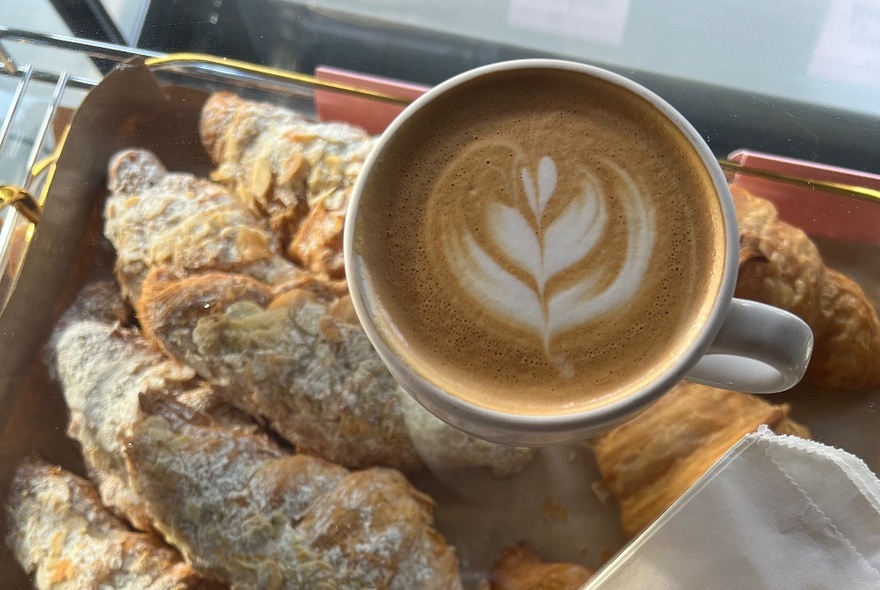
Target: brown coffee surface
{"type": "Point", "coordinates": [544, 242]}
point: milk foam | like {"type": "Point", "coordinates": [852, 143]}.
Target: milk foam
{"type": "Point", "coordinates": [542, 248]}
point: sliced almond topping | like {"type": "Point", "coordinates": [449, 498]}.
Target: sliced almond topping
{"type": "Point", "coordinates": [291, 169]}
{"type": "Point", "coordinates": [260, 180]}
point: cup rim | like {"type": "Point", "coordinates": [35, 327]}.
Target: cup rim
{"type": "Point", "coordinates": [544, 429]}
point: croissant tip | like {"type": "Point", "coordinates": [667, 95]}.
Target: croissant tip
{"type": "Point", "coordinates": [132, 170]}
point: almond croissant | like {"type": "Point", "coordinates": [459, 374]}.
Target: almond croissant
{"type": "Point", "coordinates": [158, 218]}
{"type": "Point", "coordinates": [651, 460]}
{"type": "Point", "coordinates": [781, 266]}
{"type": "Point", "coordinates": [297, 359]}
{"type": "Point", "coordinates": [247, 513]}
{"type": "Point", "coordinates": [62, 535]}
{"type": "Point", "coordinates": [296, 172]}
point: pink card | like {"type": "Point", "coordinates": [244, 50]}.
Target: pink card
{"type": "Point", "coordinates": [371, 114]}
{"type": "Point", "coordinates": [816, 211]}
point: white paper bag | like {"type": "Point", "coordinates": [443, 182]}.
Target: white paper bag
{"type": "Point", "coordinates": [775, 512]}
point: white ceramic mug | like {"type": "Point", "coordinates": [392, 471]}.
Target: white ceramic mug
{"type": "Point", "coordinates": [742, 345]}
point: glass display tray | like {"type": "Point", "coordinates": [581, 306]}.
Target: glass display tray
{"type": "Point", "coordinates": [557, 504]}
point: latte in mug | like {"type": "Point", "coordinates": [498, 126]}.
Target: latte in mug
{"type": "Point", "coordinates": [538, 249]}
{"type": "Point", "coordinates": [540, 242]}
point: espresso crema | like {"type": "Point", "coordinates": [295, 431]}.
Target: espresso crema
{"type": "Point", "coordinates": [540, 243]}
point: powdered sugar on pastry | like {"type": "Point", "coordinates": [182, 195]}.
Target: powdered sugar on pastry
{"type": "Point", "coordinates": [62, 535]}
{"type": "Point", "coordinates": [246, 513]}
{"type": "Point", "coordinates": [155, 218]}
{"type": "Point", "coordinates": [442, 446]}
{"type": "Point", "coordinates": [295, 172]}
{"type": "Point", "coordinates": [296, 359]}
{"type": "Point", "coordinates": [102, 367]}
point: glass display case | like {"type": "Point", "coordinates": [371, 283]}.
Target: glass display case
{"type": "Point", "coordinates": [786, 96]}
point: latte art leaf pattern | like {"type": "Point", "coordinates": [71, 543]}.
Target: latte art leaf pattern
{"type": "Point", "coordinates": [513, 275]}
{"type": "Point", "coordinates": [546, 185]}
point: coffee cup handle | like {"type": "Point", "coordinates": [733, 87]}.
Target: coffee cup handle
{"type": "Point", "coordinates": [759, 349]}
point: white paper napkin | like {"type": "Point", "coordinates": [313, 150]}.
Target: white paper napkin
{"type": "Point", "coordinates": [775, 512]}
